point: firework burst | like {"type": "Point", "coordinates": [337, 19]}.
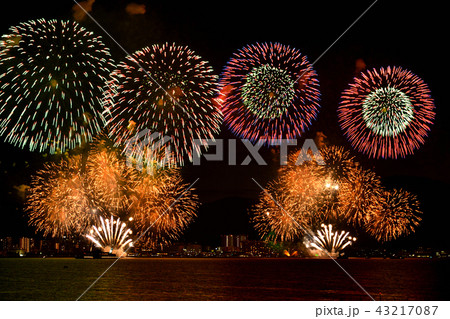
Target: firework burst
{"type": "Point", "coordinates": [337, 162]}
{"type": "Point", "coordinates": [329, 242]}
{"type": "Point", "coordinates": [318, 180]}
{"type": "Point", "coordinates": [399, 215]}
{"type": "Point", "coordinates": [110, 179]}
{"type": "Point", "coordinates": [334, 189]}
{"type": "Point", "coordinates": [52, 78]}
{"type": "Point", "coordinates": [291, 203]}
{"type": "Point", "coordinates": [67, 197]}
{"type": "Point", "coordinates": [359, 196]}
{"type": "Point", "coordinates": [277, 217]}
{"type": "Point", "coordinates": [386, 113]}
{"type": "Point", "coordinates": [58, 203]}
{"type": "Point", "coordinates": [162, 207]}
{"type": "Point", "coordinates": [111, 236]}
{"type": "Point", "coordinates": [330, 188]}
{"type": "Point", "coordinates": [304, 185]}
{"type": "Point", "coordinates": [172, 95]}
{"type": "Point", "coordinates": [269, 92]}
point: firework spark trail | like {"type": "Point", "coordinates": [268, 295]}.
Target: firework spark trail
{"type": "Point", "coordinates": [311, 236]}
{"type": "Point", "coordinates": [386, 113]}
{"type": "Point", "coordinates": [66, 66]}
{"type": "Point", "coordinates": [140, 236]}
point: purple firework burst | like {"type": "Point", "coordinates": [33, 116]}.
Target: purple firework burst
{"type": "Point", "coordinates": [269, 91]}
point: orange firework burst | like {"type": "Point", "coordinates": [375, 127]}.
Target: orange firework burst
{"type": "Point", "coordinates": [359, 196]}
{"type": "Point", "coordinates": [338, 162]}
{"type": "Point", "coordinates": [291, 203]}
{"type": "Point", "coordinates": [110, 179]}
{"type": "Point", "coordinates": [319, 180]}
{"type": "Point", "coordinates": [400, 215]}
{"type": "Point", "coordinates": [162, 206]}
{"type": "Point", "coordinates": [278, 215]}
{"type": "Point", "coordinates": [68, 197]}
{"type": "Point", "coordinates": [330, 188]}
{"type": "Point", "coordinates": [58, 203]}
{"type": "Point", "coordinates": [305, 185]}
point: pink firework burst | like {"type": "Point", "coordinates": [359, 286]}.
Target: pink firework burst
{"type": "Point", "coordinates": [269, 91]}
{"type": "Point", "coordinates": [387, 112]}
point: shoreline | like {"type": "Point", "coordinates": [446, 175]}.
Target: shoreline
{"type": "Point", "coordinates": [224, 257]}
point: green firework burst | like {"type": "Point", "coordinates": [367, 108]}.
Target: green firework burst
{"type": "Point", "coordinates": [268, 91]}
{"type": "Point", "coordinates": [387, 111]}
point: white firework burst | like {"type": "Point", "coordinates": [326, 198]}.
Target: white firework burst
{"type": "Point", "coordinates": [329, 242]}
{"type": "Point", "coordinates": [111, 236]}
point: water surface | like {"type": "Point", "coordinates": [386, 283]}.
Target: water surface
{"type": "Point", "coordinates": [223, 279]}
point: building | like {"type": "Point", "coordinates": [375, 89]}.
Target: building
{"type": "Point", "coordinates": [193, 250]}
{"type": "Point", "coordinates": [8, 245]}
{"type": "Point", "coordinates": [233, 243]}
{"type": "Point", "coordinates": [175, 249]}
{"type": "Point", "coordinates": [5, 245]}
{"type": "Point", "coordinates": [24, 244]}
{"type": "Point", "coordinates": [257, 248]}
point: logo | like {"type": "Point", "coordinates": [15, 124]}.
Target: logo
{"type": "Point", "coordinates": [150, 151]}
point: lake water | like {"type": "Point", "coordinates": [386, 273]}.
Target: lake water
{"type": "Point", "coordinates": [223, 279]}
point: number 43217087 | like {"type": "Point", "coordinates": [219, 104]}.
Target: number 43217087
{"type": "Point", "coordinates": [406, 310]}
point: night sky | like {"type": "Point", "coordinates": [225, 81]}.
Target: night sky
{"type": "Point", "coordinates": [400, 33]}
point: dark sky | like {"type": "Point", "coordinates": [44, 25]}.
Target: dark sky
{"type": "Point", "coordinates": [403, 33]}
